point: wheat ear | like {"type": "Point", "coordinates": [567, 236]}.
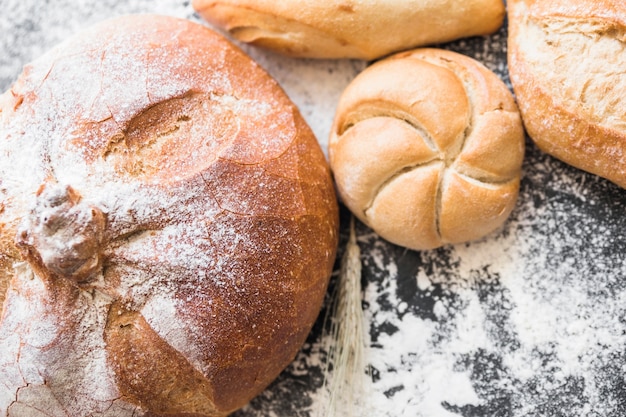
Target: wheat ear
{"type": "Point", "coordinates": [345, 382]}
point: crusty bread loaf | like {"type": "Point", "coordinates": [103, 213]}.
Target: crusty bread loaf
{"type": "Point", "coordinates": [426, 148]}
{"type": "Point", "coordinates": [167, 230]}
{"type": "Point", "coordinates": [351, 28]}
{"type": "Point", "coordinates": [566, 62]}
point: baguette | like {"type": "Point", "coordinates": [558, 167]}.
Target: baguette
{"type": "Point", "coordinates": [351, 29]}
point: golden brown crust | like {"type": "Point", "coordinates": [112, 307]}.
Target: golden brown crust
{"type": "Point", "coordinates": [351, 29]}
{"type": "Point", "coordinates": [611, 10]}
{"type": "Point", "coordinates": [427, 148]}
{"type": "Point", "coordinates": [565, 64]}
{"type": "Point", "coordinates": [176, 225]}
{"type": "Point", "coordinates": [154, 375]}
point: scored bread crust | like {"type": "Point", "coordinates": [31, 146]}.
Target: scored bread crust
{"type": "Point", "coordinates": [167, 230]}
{"type": "Point", "coordinates": [351, 29]}
{"type": "Point", "coordinates": [566, 65]}
{"type": "Point", "coordinates": [427, 147]}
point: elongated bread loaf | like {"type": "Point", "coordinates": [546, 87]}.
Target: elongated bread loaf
{"type": "Point", "coordinates": [351, 28]}
{"type": "Point", "coordinates": [427, 147]}
{"type": "Point", "coordinates": [168, 225]}
{"type": "Point", "coordinates": [567, 66]}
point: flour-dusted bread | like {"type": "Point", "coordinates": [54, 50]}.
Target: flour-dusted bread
{"type": "Point", "coordinates": [168, 225]}
{"type": "Point", "coordinates": [427, 147]}
{"type": "Point", "coordinates": [351, 28]}
{"type": "Point", "coordinates": [567, 67]}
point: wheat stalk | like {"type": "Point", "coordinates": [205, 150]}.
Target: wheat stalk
{"type": "Point", "coordinates": [345, 382]}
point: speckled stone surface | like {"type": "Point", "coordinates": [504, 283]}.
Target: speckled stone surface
{"type": "Point", "coordinates": [529, 321]}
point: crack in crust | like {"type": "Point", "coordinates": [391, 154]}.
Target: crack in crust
{"type": "Point", "coordinates": [390, 109]}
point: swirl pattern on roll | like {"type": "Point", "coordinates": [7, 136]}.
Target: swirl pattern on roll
{"type": "Point", "coordinates": [427, 148]}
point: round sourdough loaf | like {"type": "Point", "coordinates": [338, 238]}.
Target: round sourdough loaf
{"type": "Point", "coordinates": [567, 67]}
{"type": "Point", "coordinates": [427, 147]}
{"type": "Point", "coordinates": [168, 226]}
{"type": "Point", "coordinates": [351, 28]}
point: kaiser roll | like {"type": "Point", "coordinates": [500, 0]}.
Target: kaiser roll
{"type": "Point", "coordinates": [566, 61]}
{"type": "Point", "coordinates": [351, 28]}
{"type": "Point", "coordinates": [427, 147]}
{"type": "Point", "coordinates": [167, 229]}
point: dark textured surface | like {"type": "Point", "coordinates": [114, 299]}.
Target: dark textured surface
{"type": "Point", "coordinates": [526, 322]}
